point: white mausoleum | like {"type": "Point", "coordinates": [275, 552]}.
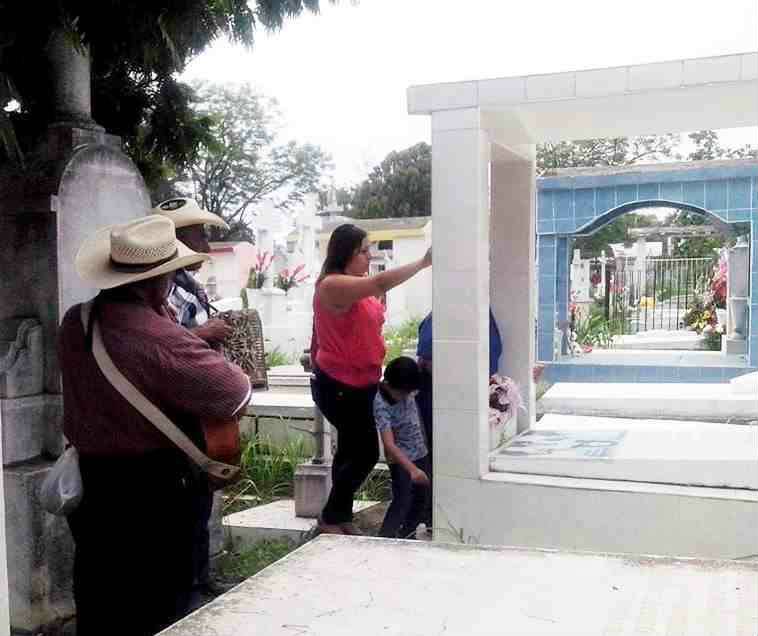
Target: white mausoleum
{"type": "Point", "coordinates": [484, 135]}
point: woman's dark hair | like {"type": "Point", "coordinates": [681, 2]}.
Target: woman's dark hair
{"type": "Point", "coordinates": [344, 242]}
{"type": "Point", "coordinates": [403, 374]}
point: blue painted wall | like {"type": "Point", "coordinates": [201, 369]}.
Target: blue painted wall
{"type": "Point", "coordinates": [571, 205]}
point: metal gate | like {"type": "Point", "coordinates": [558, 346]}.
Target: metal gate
{"type": "Point", "coordinates": [655, 295]}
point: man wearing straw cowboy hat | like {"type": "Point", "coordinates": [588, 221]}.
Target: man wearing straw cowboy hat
{"type": "Point", "coordinates": [134, 527]}
{"type": "Point", "coordinates": [187, 298]}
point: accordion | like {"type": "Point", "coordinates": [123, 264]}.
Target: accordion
{"type": "Point", "coordinates": [245, 346]}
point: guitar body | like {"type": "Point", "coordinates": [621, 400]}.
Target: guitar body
{"type": "Point", "coordinates": [222, 441]}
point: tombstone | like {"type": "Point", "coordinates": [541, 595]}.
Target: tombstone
{"type": "Point", "coordinates": [80, 181]}
{"type": "Point", "coordinates": [580, 278]}
{"type": "Point", "coordinates": [737, 298]}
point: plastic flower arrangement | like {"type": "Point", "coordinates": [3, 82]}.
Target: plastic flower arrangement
{"type": "Point", "coordinates": [286, 280]}
{"type": "Point", "coordinates": [259, 271]}
{"type": "Point", "coordinates": [718, 282]}
{"type": "Point", "coordinates": [505, 399]}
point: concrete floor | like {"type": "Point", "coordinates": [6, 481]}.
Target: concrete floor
{"type": "Point", "coordinates": [358, 586]}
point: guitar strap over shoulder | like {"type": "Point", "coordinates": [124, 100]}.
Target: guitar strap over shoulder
{"type": "Point", "coordinates": [218, 471]}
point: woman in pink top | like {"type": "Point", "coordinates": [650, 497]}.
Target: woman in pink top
{"type": "Point", "coordinates": [347, 353]}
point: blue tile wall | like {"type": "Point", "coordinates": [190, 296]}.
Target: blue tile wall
{"type": "Point", "coordinates": [694, 193]}
{"type": "Point", "coordinates": [672, 192]}
{"type": "Point", "coordinates": [563, 204]}
{"type": "Point", "coordinates": [605, 200]}
{"type": "Point", "coordinates": [545, 227]}
{"type": "Point", "coordinates": [545, 204]}
{"type": "Point", "coordinates": [649, 191]}
{"type": "Point", "coordinates": [716, 195]}
{"type": "Point", "coordinates": [566, 204]}
{"type": "Point", "coordinates": [568, 372]}
{"type": "Point", "coordinates": [739, 215]}
{"type": "Point", "coordinates": [584, 203]}
{"type": "Point", "coordinates": [626, 194]}
{"type": "Point", "coordinates": [738, 194]}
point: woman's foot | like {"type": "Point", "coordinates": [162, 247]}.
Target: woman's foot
{"type": "Point", "coordinates": [351, 529]}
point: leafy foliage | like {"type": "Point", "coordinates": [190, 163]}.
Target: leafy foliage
{"type": "Point", "coordinates": [135, 58]}
{"type": "Point", "coordinates": [244, 164]}
{"type": "Point", "coordinates": [398, 339]}
{"type": "Point", "coordinates": [617, 231]}
{"type": "Point", "coordinates": [400, 186]}
{"type": "Point", "coordinates": [708, 147]}
{"type": "Point", "coordinates": [617, 151]}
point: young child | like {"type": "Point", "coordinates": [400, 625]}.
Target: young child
{"type": "Point", "coordinates": [398, 422]}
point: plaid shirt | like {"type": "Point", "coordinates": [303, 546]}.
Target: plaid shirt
{"type": "Point", "coordinates": [188, 300]}
{"type": "Point", "coordinates": [170, 366]}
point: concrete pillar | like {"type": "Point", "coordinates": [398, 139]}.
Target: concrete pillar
{"type": "Point", "coordinates": [512, 278]}
{"type": "Point", "coordinates": [546, 309]}
{"type": "Point", "coordinates": [71, 85]}
{"type": "Point", "coordinates": [4, 594]}
{"type": "Point", "coordinates": [738, 280]}
{"type": "Point", "coordinates": [461, 283]}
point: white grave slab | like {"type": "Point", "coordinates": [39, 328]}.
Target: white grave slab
{"type": "Point", "coordinates": [715, 455]}
{"type": "Point", "coordinates": [715, 402]}
{"type": "Point", "coordinates": [347, 586]}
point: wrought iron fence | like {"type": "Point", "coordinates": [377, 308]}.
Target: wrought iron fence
{"type": "Point", "coordinates": [656, 295]}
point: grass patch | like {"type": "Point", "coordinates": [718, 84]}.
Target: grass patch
{"type": "Point", "coordinates": [377, 487]}
{"type": "Point", "coordinates": [268, 472]}
{"type": "Point", "coordinates": [277, 358]}
{"type": "Point", "coordinates": [235, 567]}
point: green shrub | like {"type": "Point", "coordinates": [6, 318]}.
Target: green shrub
{"type": "Point", "coordinates": [398, 339]}
{"type": "Point", "coordinates": [277, 358]}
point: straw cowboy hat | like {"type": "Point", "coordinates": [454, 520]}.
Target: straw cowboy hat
{"type": "Point", "coordinates": [185, 212]}
{"type": "Point", "coordinates": [138, 250]}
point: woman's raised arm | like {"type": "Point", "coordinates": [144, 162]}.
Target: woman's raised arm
{"type": "Point", "coordinates": [339, 291]}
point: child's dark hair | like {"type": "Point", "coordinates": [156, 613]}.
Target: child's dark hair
{"type": "Point", "coordinates": [403, 374]}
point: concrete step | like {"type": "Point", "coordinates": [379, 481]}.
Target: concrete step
{"type": "Point", "coordinates": [660, 339]}
{"type": "Point", "coordinates": [653, 451]}
{"type": "Point", "coordinates": [274, 521]}
{"type": "Point", "coordinates": [339, 585]}
{"type": "Point", "coordinates": [705, 402]}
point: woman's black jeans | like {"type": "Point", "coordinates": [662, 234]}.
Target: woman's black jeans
{"type": "Point", "coordinates": [351, 412]}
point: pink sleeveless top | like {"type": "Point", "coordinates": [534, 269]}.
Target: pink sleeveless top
{"type": "Point", "coordinates": [350, 345]}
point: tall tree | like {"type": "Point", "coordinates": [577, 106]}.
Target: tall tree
{"type": "Point", "coordinates": [708, 147]}
{"type": "Point", "coordinates": [400, 186]}
{"type": "Point", "coordinates": [617, 231]}
{"type": "Point", "coordinates": [244, 163]}
{"type": "Point", "coordinates": [616, 151]}
{"type": "Point", "coordinates": [137, 48]}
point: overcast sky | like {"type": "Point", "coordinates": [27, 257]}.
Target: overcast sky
{"type": "Point", "coordinates": [341, 76]}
